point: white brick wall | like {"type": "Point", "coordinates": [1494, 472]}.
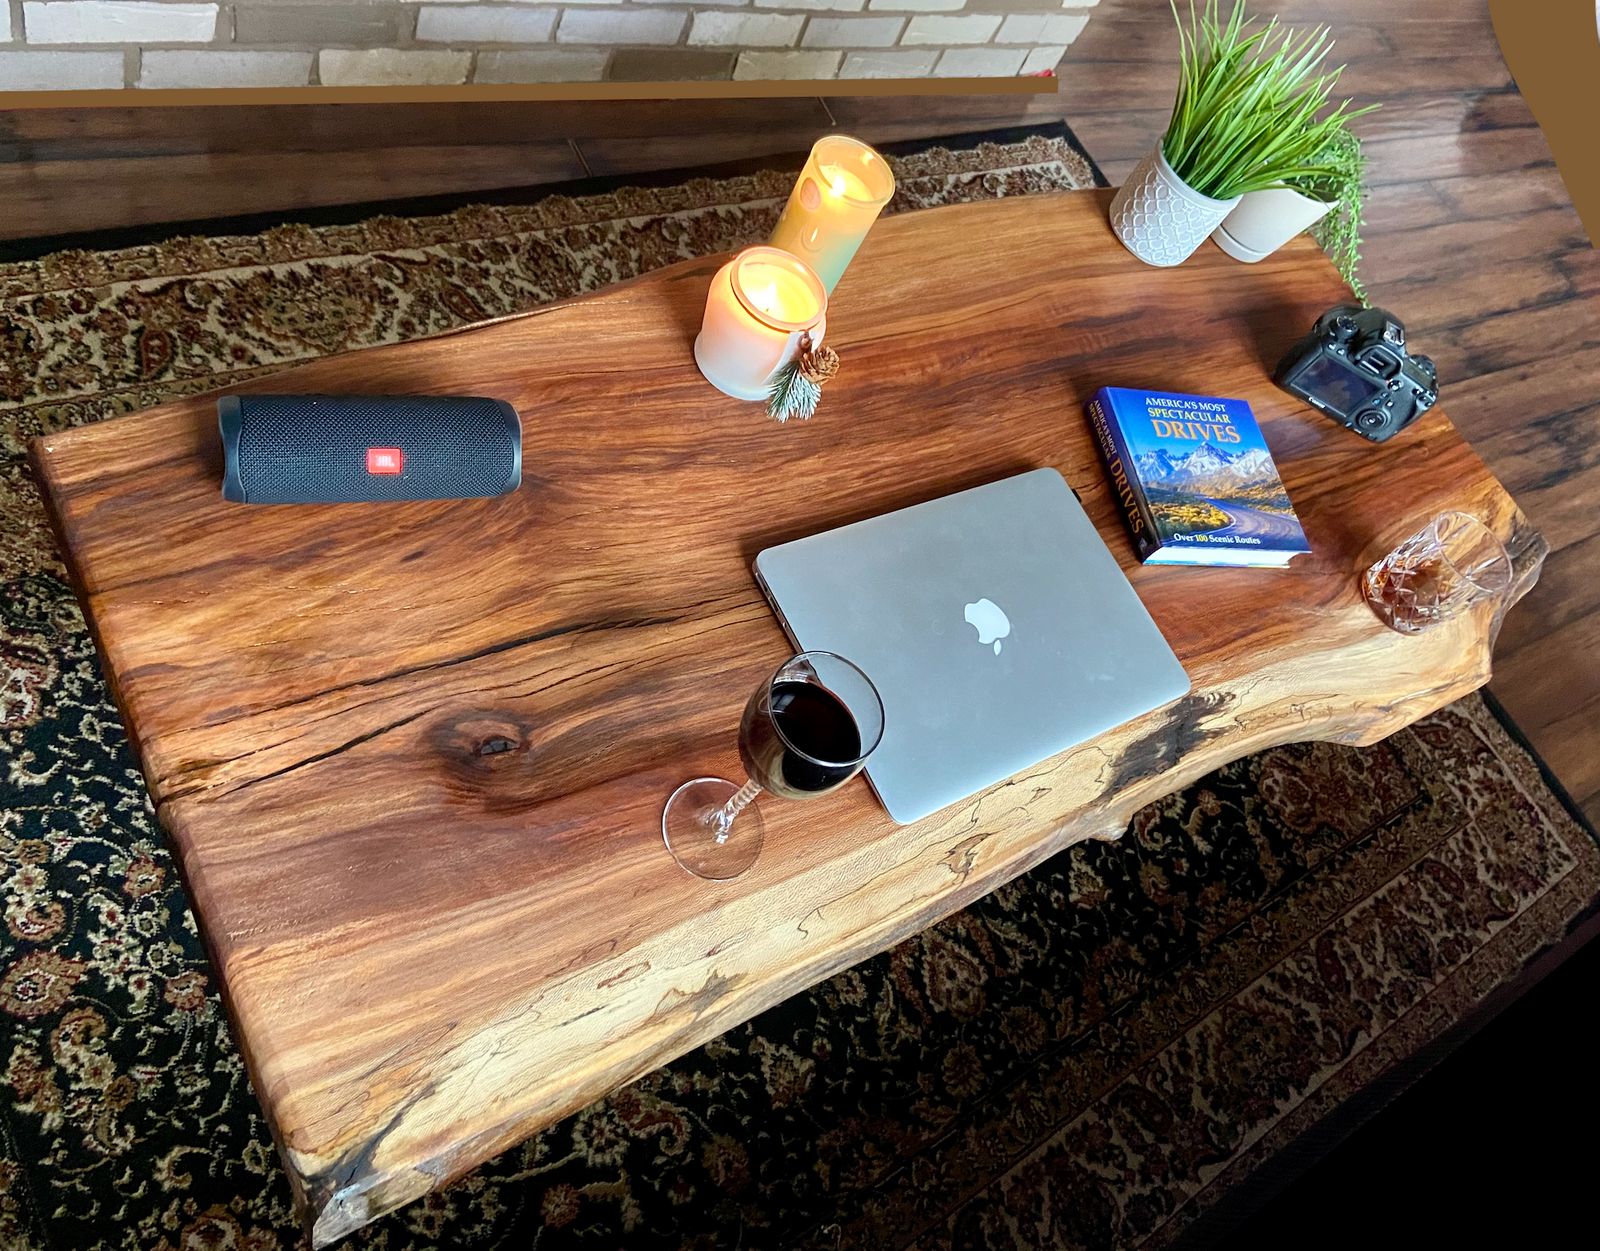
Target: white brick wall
{"type": "Point", "coordinates": [541, 67]}
{"type": "Point", "coordinates": [836, 6]}
{"type": "Point", "coordinates": [60, 71]}
{"type": "Point", "coordinates": [622, 26]}
{"type": "Point", "coordinates": [166, 44]}
{"type": "Point", "coordinates": [896, 64]}
{"type": "Point", "coordinates": [1042, 59]}
{"type": "Point", "coordinates": [391, 67]}
{"type": "Point", "coordinates": [485, 23]}
{"type": "Point", "coordinates": [979, 62]}
{"type": "Point", "coordinates": [1041, 28]}
{"type": "Point", "coordinates": [969, 28]}
{"type": "Point", "coordinates": [767, 66]}
{"type": "Point", "coordinates": [118, 21]}
{"type": "Point", "coordinates": [750, 30]}
{"type": "Point", "coordinates": [852, 32]}
{"type": "Point", "coordinates": [228, 68]}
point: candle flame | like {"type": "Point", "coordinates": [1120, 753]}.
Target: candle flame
{"type": "Point", "coordinates": [766, 298]}
{"type": "Point", "coordinates": [845, 184]}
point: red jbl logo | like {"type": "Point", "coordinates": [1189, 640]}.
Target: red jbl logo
{"type": "Point", "coordinates": [384, 460]}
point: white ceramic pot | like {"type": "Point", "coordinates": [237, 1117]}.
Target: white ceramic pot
{"type": "Point", "coordinates": [1160, 218]}
{"type": "Point", "coordinates": [1266, 220]}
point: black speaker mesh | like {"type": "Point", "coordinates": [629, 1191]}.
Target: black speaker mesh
{"type": "Point", "coordinates": [294, 449]}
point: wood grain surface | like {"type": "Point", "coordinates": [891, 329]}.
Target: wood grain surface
{"type": "Point", "coordinates": [1471, 239]}
{"type": "Point", "coordinates": [413, 756]}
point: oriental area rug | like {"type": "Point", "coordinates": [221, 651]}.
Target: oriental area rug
{"type": "Point", "coordinates": [1097, 1055]}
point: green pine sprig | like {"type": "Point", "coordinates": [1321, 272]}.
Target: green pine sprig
{"type": "Point", "coordinates": [792, 394]}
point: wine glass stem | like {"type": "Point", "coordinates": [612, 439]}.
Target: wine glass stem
{"type": "Point", "coordinates": [724, 817]}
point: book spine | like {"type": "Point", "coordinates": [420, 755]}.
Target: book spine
{"type": "Point", "coordinates": [1125, 484]}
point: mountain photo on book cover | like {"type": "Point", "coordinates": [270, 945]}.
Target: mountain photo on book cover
{"type": "Point", "coordinates": [1193, 479]}
{"type": "Point", "coordinates": [1220, 490]}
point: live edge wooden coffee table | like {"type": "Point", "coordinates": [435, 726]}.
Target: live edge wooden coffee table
{"type": "Point", "coordinates": [413, 756]}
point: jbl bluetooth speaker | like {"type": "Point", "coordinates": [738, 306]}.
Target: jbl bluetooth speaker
{"type": "Point", "coordinates": [345, 449]}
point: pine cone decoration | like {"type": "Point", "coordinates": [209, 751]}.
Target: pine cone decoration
{"type": "Point", "coordinates": [797, 387]}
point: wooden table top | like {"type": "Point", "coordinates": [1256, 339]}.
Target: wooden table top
{"type": "Point", "coordinates": [432, 946]}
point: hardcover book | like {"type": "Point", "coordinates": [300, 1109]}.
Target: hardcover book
{"type": "Point", "coordinates": [1194, 478]}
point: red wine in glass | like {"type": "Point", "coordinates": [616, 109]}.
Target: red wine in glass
{"type": "Point", "coordinates": [787, 739]}
{"type": "Point", "coordinates": [807, 730]}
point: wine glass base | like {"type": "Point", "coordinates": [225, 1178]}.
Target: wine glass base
{"type": "Point", "coordinates": [692, 838]}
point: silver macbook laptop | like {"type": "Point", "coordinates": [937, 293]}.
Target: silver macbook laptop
{"type": "Point", "coordinates": [995, 624]}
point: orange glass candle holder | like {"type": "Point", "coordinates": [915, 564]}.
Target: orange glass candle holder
{"type": "Point", "coordinates": [759, 305]}
{"type": "Point", "coordinates": [837, 197]}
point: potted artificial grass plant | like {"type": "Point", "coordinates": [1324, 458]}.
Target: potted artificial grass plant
{"type": "Point", "coordinates": [1263, 221]}
{"type": "Point", "coordinates": [1266, 220]}
{"type": "Point", "coordinates": [1244, 120]}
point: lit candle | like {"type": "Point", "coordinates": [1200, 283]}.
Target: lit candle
{"type": "Point", "coordinates": [840, 193]}
{"type": "Point", "coordinates": [759, 305]}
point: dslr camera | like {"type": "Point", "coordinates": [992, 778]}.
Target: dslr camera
{"type": "Point", "coordinates": [1354, 367]}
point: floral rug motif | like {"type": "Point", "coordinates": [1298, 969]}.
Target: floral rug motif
{"type": "Point", "coordinates": [1086, 1058]}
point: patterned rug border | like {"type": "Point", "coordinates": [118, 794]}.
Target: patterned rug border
{"type": "Point", "coordinates": [1428, 1032]}
{"type": "Point", "coordinates": [1547, 935]}
{"type": "Point", "coordinates": [1358, 1093]}
{"type": "Point", "coordinates": [120, 238]}
{"type": "Point", "coordinates": [678, 191]}
{"type": "Point", "coordinates": [1122, 1042]}
{"type": "Point", "coordinates": [992, 1130]}
{"type": "Point", "coordinates": [85, 336]}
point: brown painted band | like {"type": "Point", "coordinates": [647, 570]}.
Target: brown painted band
{"type": "Point", "coordinates": [1552, 48]}
{"type": "Point", "coordinates": [124, 98]}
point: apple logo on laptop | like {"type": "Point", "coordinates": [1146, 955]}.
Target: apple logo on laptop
{"type": "Point", "coordinates": [991, 623]}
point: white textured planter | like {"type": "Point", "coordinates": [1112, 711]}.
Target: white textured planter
{"type": "Point", "coordinates": [1266, 220]}
{"type": "Point", "coordinates": [1160, 218]}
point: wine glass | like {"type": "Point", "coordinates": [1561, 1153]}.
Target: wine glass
{"type": "Point", "coordinates": [807, 730]}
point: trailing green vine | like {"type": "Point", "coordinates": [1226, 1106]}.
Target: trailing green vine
{"type": "Point", "coordinates": [1339, 232]}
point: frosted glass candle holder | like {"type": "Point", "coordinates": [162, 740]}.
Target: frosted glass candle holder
{"type": "Point", "coordinates": [759, 305]}
{"type": "Point", "coordinates": [837, 197]}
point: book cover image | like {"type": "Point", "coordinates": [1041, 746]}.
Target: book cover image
{"type": "Point", "coordinates": [1200, 468]}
